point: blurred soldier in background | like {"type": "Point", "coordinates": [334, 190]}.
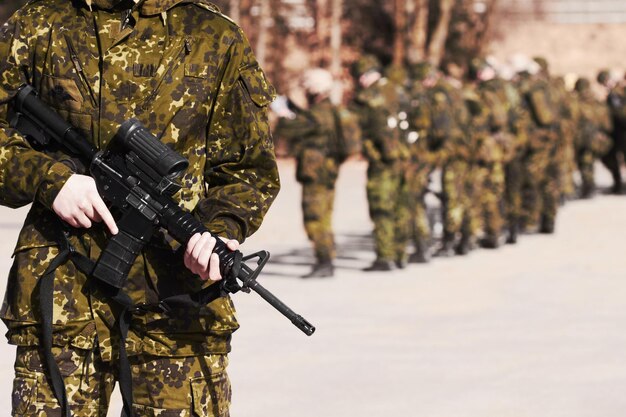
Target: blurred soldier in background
{"type": "Point", "coordinates": [591, 138]}
{"type": "Point", "coordinates": [426, 153]}
{"type": "Point", "coordinates": [616, 101]}
{"type": "Point", "coordinates": [319, 145]}
{"type": "Point", "coordinates": [450, 120]}
{"type": "Point", "coordinates": [568, 114]}
{"type": "Point", "coordinates": [541, 182]}
{"type": "Point", "coordinates": [378, 103]}
{"type": "Point", "coordinates": [518, 125]}
{"type": "Point", "coordinates": [488, 104]}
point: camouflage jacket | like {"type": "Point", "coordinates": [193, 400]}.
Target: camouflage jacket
{"type": "Point", "coordinates": [314, 137]}
{"type": "Point", "coordinates": [381, 111]}
{"type": "Point", "coordinates": [593, 124]}
{"type": "Point", "coordinates": [188, 74]}
{"type": "Point", "coordinates": [449, 123]}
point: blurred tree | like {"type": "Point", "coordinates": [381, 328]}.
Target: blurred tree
{"type": "Point", "coordinates": [264, 25]}
{"type": "Point", "coordinates": [400, 39]}
{"type": "Point", "coordinates": [417, 13]}
{"type": "Point", "coordinates": [437, 44]}
{"type": "Point", "coordinates": [234, 9]}
{"type": "Point", "coordinates": [336, 63]}
{"type": "Point", "coordinates": [470, 31]}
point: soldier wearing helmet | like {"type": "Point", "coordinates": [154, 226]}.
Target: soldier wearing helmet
{"type": "Point", "coordinates": [320, 146]}
{"type": "Point", "coordinates": [378, 102]}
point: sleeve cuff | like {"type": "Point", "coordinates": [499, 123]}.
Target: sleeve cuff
{"type": "Point", "coordinates": [226, 228]}
{"type": "Point", "coordinates": [55, 179]}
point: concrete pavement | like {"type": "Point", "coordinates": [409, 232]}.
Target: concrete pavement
{"type": "Point", "coordinates": [534, 329]}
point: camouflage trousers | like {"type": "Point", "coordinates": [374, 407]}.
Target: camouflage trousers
{"type": "Point", "coordinates": [317, 211]}
{"type": "Point", "coordinates": [417, 181]}
{"type": "Point", "coordinates": [611, 159]}
{"type": "Point", "coordinates": [487, 210]}
{"type": "Point", "coordinates": [456, 198]}
{"type": "Point", "coordinates": [162, 386]}
{"type": "Point", "coordinates": [568, 165]}
{"type": "Point", "coordinates": [387, 196]}
{"type": "Point", "coordinates": [585, 159]}
{"type": "Point", "coordinates": [513, 192]}
{"type": "Point", "coordinates": [541, 190]}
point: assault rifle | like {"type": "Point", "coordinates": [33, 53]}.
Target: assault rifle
{"type": "Point", "coordinates": [137, 176]}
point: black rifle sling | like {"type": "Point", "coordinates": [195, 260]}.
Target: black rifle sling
{"type": "Point", "coordinates": [46, 300]}
{"type": "Point", "coordinates": [86, 266]}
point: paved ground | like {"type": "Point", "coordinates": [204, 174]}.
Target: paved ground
{"type": "Point", "coordinates": [534, 329]}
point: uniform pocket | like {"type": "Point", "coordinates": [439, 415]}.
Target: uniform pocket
{"type": "Point", "coordinates": [258, 89]}
{"type": "Point", "coordinates": [24, 394]}
{"type": "Point", "coordinates": [62, 93]}
{"type": "Point", "coordinates": [197, 71]}
{"type": "Point", "coordinates": [211, 398]}
{"type": "Point", "coordinates": [310, 165]}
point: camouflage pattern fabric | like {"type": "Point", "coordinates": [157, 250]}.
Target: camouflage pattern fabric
{"type": "Point", "coordinates": [489, 125]}
{"type": "Point", "coordinates": [381, 112]}
{"type": "Point", "coordinates": [424, 159]}
{"type": "Point", "coordinates": [455, 198]}
{"type": "Point", "coordinates": [188, 74]}
{"type": "Point", "coordinates": [448, 135]}
{"type": "Point", "coordinates": [519, 122]}
{"type": "Point", "coordinates": [616, 102]}
{"type": "Point", "coordinates": [567, 111]}
{"type": "Point", "coordinates": [178, 386]}
{"type": "Point", "coordinates": [387, 195]}
{"type": "Point", "coordinates": [317, 212]}
{"type": "Point", "coordinates": [541, 188]}
{"type": "Point", "coordinates": [314, 137]}
{"type": "Point", "coordinates": [591, 140]}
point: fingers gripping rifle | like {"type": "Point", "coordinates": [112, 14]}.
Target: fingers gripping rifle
{"type": "Point", "coordinates": [137, 175]}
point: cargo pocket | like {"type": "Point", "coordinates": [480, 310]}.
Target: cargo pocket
{"type": "Point", "coordinates": [258, 89]}
{"type": "Point", "coordinates": [310, 165]}
{"type": "Point", "coordinates": [211, 398]}
{"type": "Point", "coordinates": [24, 394]}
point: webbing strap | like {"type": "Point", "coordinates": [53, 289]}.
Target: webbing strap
{"type": "Point", "coordinates": [86, 266]}
{"type": "Point", "coordinates": [46, 292]}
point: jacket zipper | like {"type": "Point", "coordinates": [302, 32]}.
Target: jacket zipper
{"type": "Point", "coordinates": [185, 50]}
{"type": "Point", "coordinates": [80, 71]}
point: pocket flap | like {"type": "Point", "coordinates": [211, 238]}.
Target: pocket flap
{"type": "Point", "coordinates": [255, 82]}
{"type": "Point", "coordinates": [197, 71]}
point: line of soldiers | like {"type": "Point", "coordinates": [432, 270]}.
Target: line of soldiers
{"type": "Point", "coordinates": [506, 144]}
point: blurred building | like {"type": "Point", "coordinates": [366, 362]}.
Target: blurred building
{"type": "Point", "coordinates": [576, 36]}
{"type": "Point", "coordinates": [566, 11]}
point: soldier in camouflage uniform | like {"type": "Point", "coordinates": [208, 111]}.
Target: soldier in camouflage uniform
{"type": "Point", "coordinates": [616, 101]}
{"type": "Point", "coordinates": [188, 74]}
{"type": "Point", "coordinates": [519, 121]}
{"type": "Point", "coordinates": [542, 169]}
{"type": "Point", "coordinates": [316, 139]}
{"type": "Point", "coordinates": [568, 114]}
{"type": "Point", "coordinates": [378, 104]}
{"type": "Point", "coordinates": [592, 141]}
{"type": "Point", "coordinates": [488, 104]}
{"type": "Point", "coordinates": [426, 155]}
{"type": "Point", "coordinates": [449, 136]}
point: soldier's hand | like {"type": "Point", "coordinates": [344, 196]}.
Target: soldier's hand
{"type": "Point", "coordinates": [200, 259]}
{"type": "Point", "coordinates": [79, 204]}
